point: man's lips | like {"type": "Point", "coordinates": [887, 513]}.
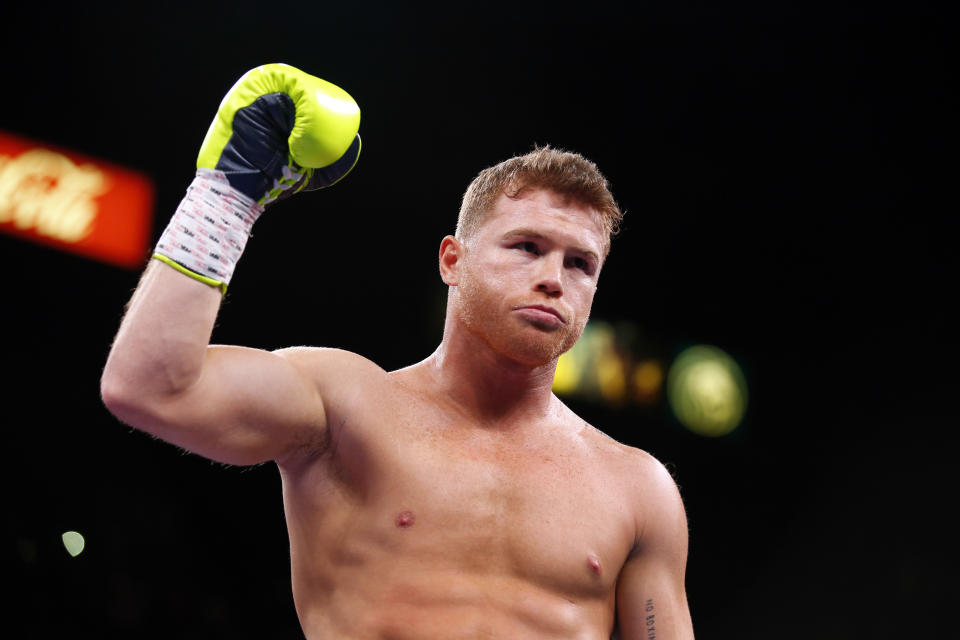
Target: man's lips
{"type": "Point", "coordinates": [543, 312]}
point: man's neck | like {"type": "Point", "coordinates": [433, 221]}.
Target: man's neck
{"type": "Point", "coordinates": [487, 386]}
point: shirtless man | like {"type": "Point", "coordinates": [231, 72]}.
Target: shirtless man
{"type": "Point", "coordinates": [457, 497]}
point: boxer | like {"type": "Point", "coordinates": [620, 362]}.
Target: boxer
{"type": "Point", "coordinates": [457, 497]}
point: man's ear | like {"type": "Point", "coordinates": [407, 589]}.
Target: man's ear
{"type": "Point", "coordinates": [452, 252]}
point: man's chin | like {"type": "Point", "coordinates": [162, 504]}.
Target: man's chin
{"type": "Point", "coordinates": [539, 350]}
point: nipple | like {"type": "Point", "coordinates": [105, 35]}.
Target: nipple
{"type": "Point", "coordinates": [405, 519]}
{"type": "Point", "coordinates": [594, 563]}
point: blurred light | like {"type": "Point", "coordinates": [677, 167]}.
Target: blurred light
{"type": "Point", "coordinates": [707, 391]}
{"type": "Point", "coordinates": [602, 367]}
{"type": "Point", "coordinates": [577, 369]}
{"type": "Point", "coordinates": [74, 543]}
{"type": "Point", "coordinates": [608, 368]}
{"type": "Point", "coordinates": [568, 373]}
{"type": "Point", "coordinates": [28, 550]}
{"type": "Point", "coordinates": [74, 203]}
{"type": "Point", "coordinates": [611, 378]}
{"type": "Point", "coordinates": [647, 381]}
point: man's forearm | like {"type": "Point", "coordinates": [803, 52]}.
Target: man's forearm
{"type": "Point", "coordinates": [160, 347]}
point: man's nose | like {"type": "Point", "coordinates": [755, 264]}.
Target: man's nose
{"type": "Point", "coordinates": [550, 276]}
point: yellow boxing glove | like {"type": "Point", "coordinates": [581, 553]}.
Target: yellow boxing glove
{"type": "Point", "coordinates": [277, 131]}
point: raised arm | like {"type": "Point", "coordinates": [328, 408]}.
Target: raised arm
{"type": "Point", "coordinates": [278, 131]}
{"type": "Point", "coordinates": [651, 596]}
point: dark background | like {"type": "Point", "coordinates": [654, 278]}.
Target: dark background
{"type": "Point", "coordinates": [784, 171]}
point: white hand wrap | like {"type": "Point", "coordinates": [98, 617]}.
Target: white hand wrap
{"type": "Point", "coordinates": [209, 230]}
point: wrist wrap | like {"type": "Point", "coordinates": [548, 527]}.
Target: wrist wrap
{"type": "Point", "coordinates": [207, 234]}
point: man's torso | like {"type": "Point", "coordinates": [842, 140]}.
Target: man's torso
{"type": "Point", "coordinates": [411, 522]}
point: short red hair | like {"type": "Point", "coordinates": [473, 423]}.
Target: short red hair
{"type": "Point", "coordinates": [565, 172]}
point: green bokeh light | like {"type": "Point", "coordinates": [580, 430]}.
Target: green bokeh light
{"type": "Point", "coordinates": [74, 543]}
{"type": "Point", "coordinates": [707, 391]}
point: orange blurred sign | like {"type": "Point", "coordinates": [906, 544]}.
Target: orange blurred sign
{"type": "Point", "coordinates": [74, 202]}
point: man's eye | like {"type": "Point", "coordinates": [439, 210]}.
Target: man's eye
{"type": "Point", "coordinates": [530, 247]}
{"type": "Point", "coordinates": [578, 263]}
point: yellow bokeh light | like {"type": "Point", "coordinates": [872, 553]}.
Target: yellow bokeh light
{"type": "Point", "coordinates": [610, 377]}
{"type": "Point", "coordinates": [567, 376]}
{"type": "Point", "coordinates": [707, 391]}
{"type": "Point", "coordinates": [647, 379]}
{"type": "Point", "coordinates": [601, 366]}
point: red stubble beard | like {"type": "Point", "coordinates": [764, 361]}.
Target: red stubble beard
{"type": "Point", "coordinates": [490, 316]}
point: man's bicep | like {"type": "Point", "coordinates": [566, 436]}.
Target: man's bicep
{"type": "Point", "coordinates": [652, 603]}
{"type": "Point", "coordinates": [247, 407]}
{"type": "Point", "coordinates": [651, 592]}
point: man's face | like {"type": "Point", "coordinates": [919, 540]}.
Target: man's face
{"type": "Point", "coordinates": [529, 273]}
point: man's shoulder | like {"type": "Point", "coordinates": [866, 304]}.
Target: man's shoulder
{"type": "Point", "coordinates": [321, 360]}
{"type": "Point", "coordinates": [339, 376]}
{"type": "Point", "coordinates": [630, 463]}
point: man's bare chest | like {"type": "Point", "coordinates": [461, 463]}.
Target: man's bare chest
{"type": "Point", "coordinates": [483, 502]}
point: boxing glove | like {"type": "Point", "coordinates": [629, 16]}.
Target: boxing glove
{"type": "Point", "coordinates": [278, 131]}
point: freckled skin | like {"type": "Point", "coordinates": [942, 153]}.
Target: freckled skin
{"type": "Point", "coordinates": [487, 286]}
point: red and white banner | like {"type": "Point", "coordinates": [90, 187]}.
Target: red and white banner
{"type": "Point", "coordinates": [75, 203]}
